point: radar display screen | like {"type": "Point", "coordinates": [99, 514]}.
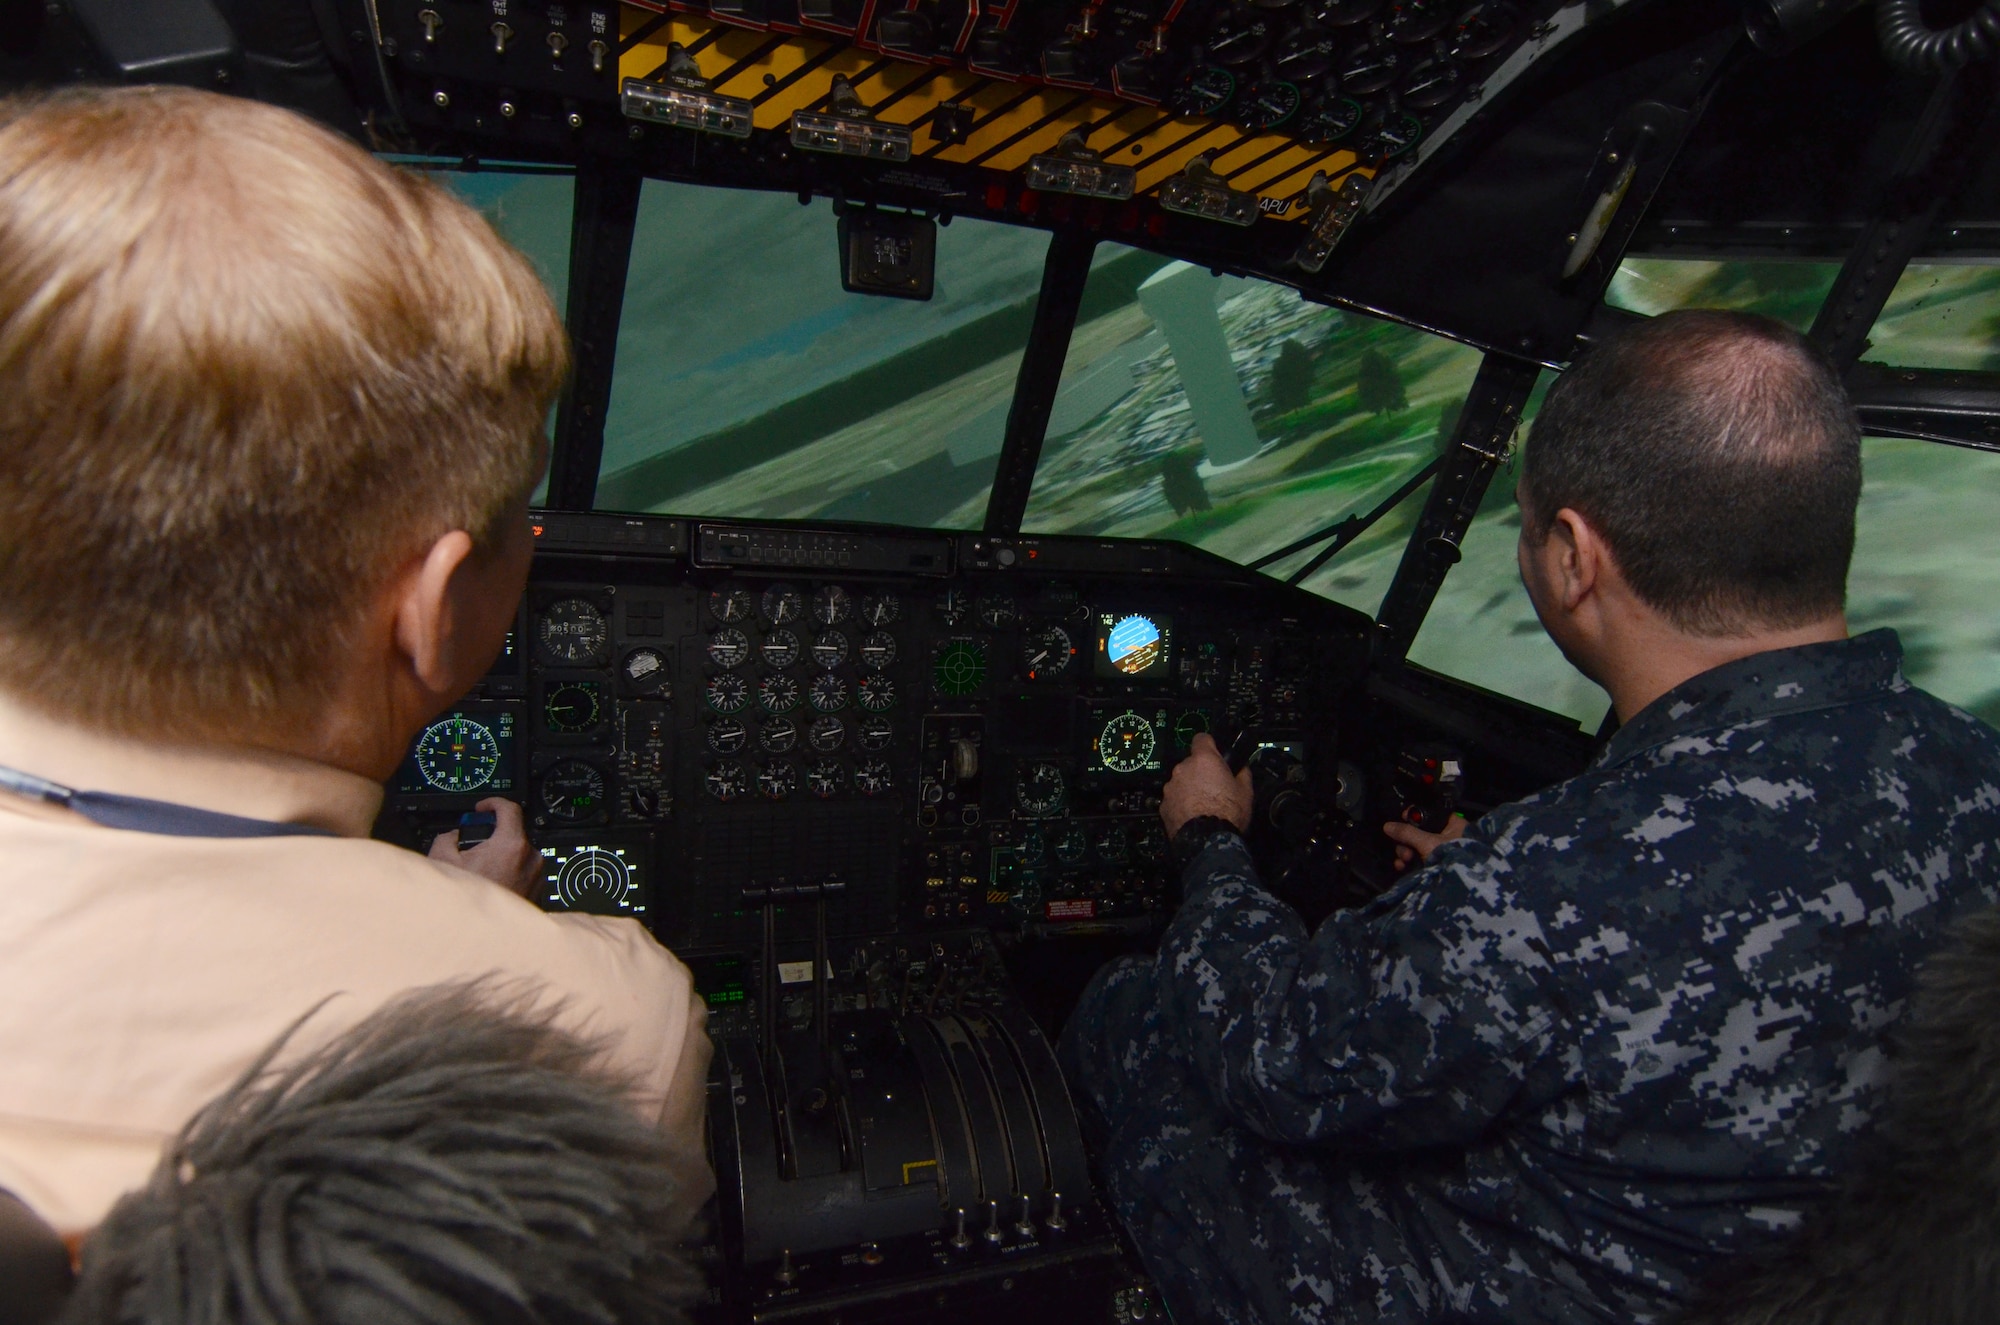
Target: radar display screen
{"type": "Point", "coordinates": [598, 878]}
{"type": "Point", "coordinates": [463, 753]}
{"type": "Point", "coordinates": [1134, 646]}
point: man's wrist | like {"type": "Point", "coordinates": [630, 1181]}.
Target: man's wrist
{"type": "Point", "coordinates": [1192, 837]}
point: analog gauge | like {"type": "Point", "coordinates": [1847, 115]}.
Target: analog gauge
{"type": "Point", "coordinates": [826, 734]}
{"type": "Point", "coordinates": [1370, 69]}
{"type": "Point", "coordinates": [1346, 13]}
{"type": "Point", "coordinates": [778, 693]}
{"type": "Point", "coordinates": [951, 606]}
{"type": "Point", "coordinates": [729, 605]}
{"type": "Point", "coordinates": [1034, 845]}
{"type": "Point", "coordinates": [877, 694]}
{"type": "Point", "coordinates": [827, 694]}
{"type": "Point", "coordinates": [727, 735]}
{"type": "Point", "coordinates": [1040, 793]}
{"type": "Point", "coordinates": [457, 755]}
{"type": "Point", "coordinates": [875, 733]}
{"type": "Point", "coordinates": [571, 791]}
{"type": "Point", "coordinates": [1152, 844]}
{"type": "Point", "coordinates": [776, 779]}
{"type": "Point", "coordinates": [1046, 652]}
{"type": "Point", "coordinates": [645, 671]}
{"type": "Point", "coordinates": [878, 650]}
{"type": "Point", "coordinates": [879, 609]}
{"type": "Point", "coordinates": [1204, 91]}
{"type": "Point", "coordinates": [831, 605]}
{"type": "Point", "coordinates": [996, 612]}
{"type": "Point", "coordinates": [1391, 135]}
{"type": "Point", "coordinates": [1328, 120]}
{"type": "Point", "coordinates": [959, 668]}
{"type": "Point", "coordinates": [1307, 53]}
{"type": "Point", "coordinates": [871, 777]}
{"type": "Point", "coordinates": [573, 632]}
{"type": "Point", "coordinates": [1072, 846]}
{"type": "Point", "coordinates": [778, 736]}
{"type": "Point", "coordinates": [728, 647]}
{"type": "Point", "coordinates": [1266, 106]}
{"type": "Point", "coordinates": [781, 604]}
{"type": "Point", "coordinates": [830, 649]}
{"type": "Point", "coordinates": [725, 780]}
{"type": "Point", "coordinates": [1125, 745]}
{"type": "Point", "coordinates": [1111, 844]}
{"type": "Point", "coordinates": [1430, 83]}
{"type": "Point", "coordinates": [779, 649]}
{"type": "Point", "coordinates": [1413, 21]}
{"type": "Point", "coordinates": [1485, 29]}
{"type": "Point", "coordinates": [826, 778]}
{"type": "Point", "coordinates": [572, 706]}
{"type": "Point", "coordinates": [727, 693]}
{"type": "Point", "coordinates": [1188, 726]}
{"type": "Point", "coordinates": [1238, 38]}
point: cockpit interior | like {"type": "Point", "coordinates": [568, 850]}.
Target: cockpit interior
{"type": "Point", "coordinates": [975, 402]}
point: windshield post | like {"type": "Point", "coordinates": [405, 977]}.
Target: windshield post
{"type": "Point", "coordinates": [600, 254]}
{"type": "Point", "coordinates": [1479, 444]}
{"type": "Point", "coordinates": [1065, 271]}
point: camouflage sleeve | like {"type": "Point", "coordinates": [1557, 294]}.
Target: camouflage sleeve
{"type": "Point", "coordinates": [1412, 1022]}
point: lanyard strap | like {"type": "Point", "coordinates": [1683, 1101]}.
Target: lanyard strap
{"type": "Point", "coordinates": [139, 815]}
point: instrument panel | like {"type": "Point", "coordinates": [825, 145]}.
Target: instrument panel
{"type": "Point", "coordinates": [964, 731]}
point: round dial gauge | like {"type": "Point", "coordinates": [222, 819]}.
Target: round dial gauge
{"type": "Point", "coordinates": [727, 693]}
{"type": "Point", "coordinates": [1152, 843]}
{"type": "Point", "coordinates": [831, 605]}
{"type": "Point", "coordinates": [573, 631]}
{"type": "Point", "coordinates": [1328, 120]}
{"type": "Point", "coordinates": [778, 693]}
{"type": "Point", "coordinates": [572, 706]}
{"type": "Point", "coordinates": [951, 606]}
{"type": "Point", "coordinates": [1205, 90]}
{"type": "Point", "coordinates": [457, 755]}
{"type": "Point", "coordinates": [826, 778]}
{"type": "Point", "coordinates": [1239, 38]}
{"type": "Point", "coordinates": [728, 647]}
{"type": "Point", "coordinates": [1111, 844]}
{"type": "Point", "coordinates": [878, 650]}
{"type": "Point", "coordinates": [871, 777]}
{"type": "Point", "coordinates": [1412, 21]}
{"type": "Point", "coordinates": [1266, 106]}
{"type": "Point", "coordinates": [830, 649]}
{"type": "Point", "coordinates": [571, 791]}
{"type": "Point", "coordinates": [996, 612]}
{"type": "Point", "coordinates": [1370, 69]}
{"type": "Point", "coordinates": [778, 735]}
{"type": "Point", "coordinates": [779, 649]}
{"type": "Point", "coordinates": [1126, 744]}
{"type": "Point", "coordinates": [1485, 28]}
{"type": "Point", "coordinates": [960, 668]}
{"type": "Point", "coordinates": [879, 609]}
{"type": "Point", "coordinates": [1041, 792]}
{"type": "Point", "coordinates": [877, 694]}
{"type": "Point", "coordinates": [645, 671]}
{"type": "Point", "coordinates": [1034, 845]}
{"type": "Point", "coordinates": [725, 780]}
{"type": "Point", "coordinates": [1346, 13]}
{"type": "Point", "coordinates": [827, 694]}
{"type": "Point", "coordinates": [875, 733]}
{"type": "Point", "coordinates": [1307, 53]}
{"type": "Point", "coordinates": [1046, 652]}
{"type": "Point", "coordinates": [730, 605]}
{"type": "Point", "coordinates": [727, 735]}
{"type": "Point", "coordinates": [781, 604]}
{"type": "Point", "coordinates": [777, 779]}
{"type": "Point", "coordinates": [1072, 846]}
{"type": "Point", "coordinates": [826, 734]}
{"type": "Point", "coordinates": [593, 879]}
{"type": "Point", "coordinates": [1188, 726]}
{"type": "Point", "coordinates": [1431, 83]}
{"type": "Point", "coordinates": [1392, 135]}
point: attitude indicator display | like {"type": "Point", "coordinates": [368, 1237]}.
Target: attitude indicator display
{"type": "Point", "coordinates": [1134, 646]}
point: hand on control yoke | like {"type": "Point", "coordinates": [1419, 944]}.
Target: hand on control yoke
{"type": "Point", "coordinates": [1202, 784]}
{"type": "Point", "coordinates": [1413, 843]}
{"type": "Point", "coordinates": [508, 857]}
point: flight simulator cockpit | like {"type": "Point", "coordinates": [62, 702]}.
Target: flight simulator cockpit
{"type": "Point", "coordinates": [975, 402]}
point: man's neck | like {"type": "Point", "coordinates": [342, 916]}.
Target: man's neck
{"type": "Point", "coordinates": [1656, 659]}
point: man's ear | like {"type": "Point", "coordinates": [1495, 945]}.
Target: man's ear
{"type": "Point", "coordinates": [1577, 558]}
{"type": "Point", "coordinates": [426, 611]}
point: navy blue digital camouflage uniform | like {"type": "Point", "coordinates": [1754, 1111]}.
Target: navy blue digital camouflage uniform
{"type": "Point", "coordinates": [1620, 1028]}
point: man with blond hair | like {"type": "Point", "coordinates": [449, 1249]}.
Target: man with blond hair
{"type": "Point", "coordinates": [270, 414]}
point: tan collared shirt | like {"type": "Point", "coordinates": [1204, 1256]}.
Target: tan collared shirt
{"type": "Point", "coordinates": [140, 973]}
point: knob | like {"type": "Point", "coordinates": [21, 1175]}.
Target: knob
{"type": "Point", "coordinates": [598, 50]}
{"type": "Point", "coordinates": [786, 1275]}
{"type": "Point", "coordinates": [502, 34]}
{"type": "Point", "coordinates": [432, 21]}
{"type": "Point", "coordinates": [506, 110]}
{"type": "Point", "coordinates": [958, 1237]}
{"type": "Point", "coordinates": [993, 1233]}
{"type": "Point", "coordinates": [1025, 1225]}
{"type": "Point", "coordinates": [1055, 1221]}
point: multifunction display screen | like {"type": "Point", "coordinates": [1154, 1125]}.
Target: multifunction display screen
{"type": "Point", "coordinates": [1134, 646]}
{"type": "Point", "coordinates": [465, 752]}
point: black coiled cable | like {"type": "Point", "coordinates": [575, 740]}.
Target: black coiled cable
{"type": "Point", "coordinates": [1915, 45]}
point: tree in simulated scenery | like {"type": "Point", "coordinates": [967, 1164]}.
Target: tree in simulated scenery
{"type": "Point", "coordinates": [1291, 384]}
{"type": "Point", "coordinates": [1181, 483]}
{"type": "Point", "coordinates": [1378, 387]}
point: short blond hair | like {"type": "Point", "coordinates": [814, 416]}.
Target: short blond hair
{"type": "Point", "coordinates": [246, 371]}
